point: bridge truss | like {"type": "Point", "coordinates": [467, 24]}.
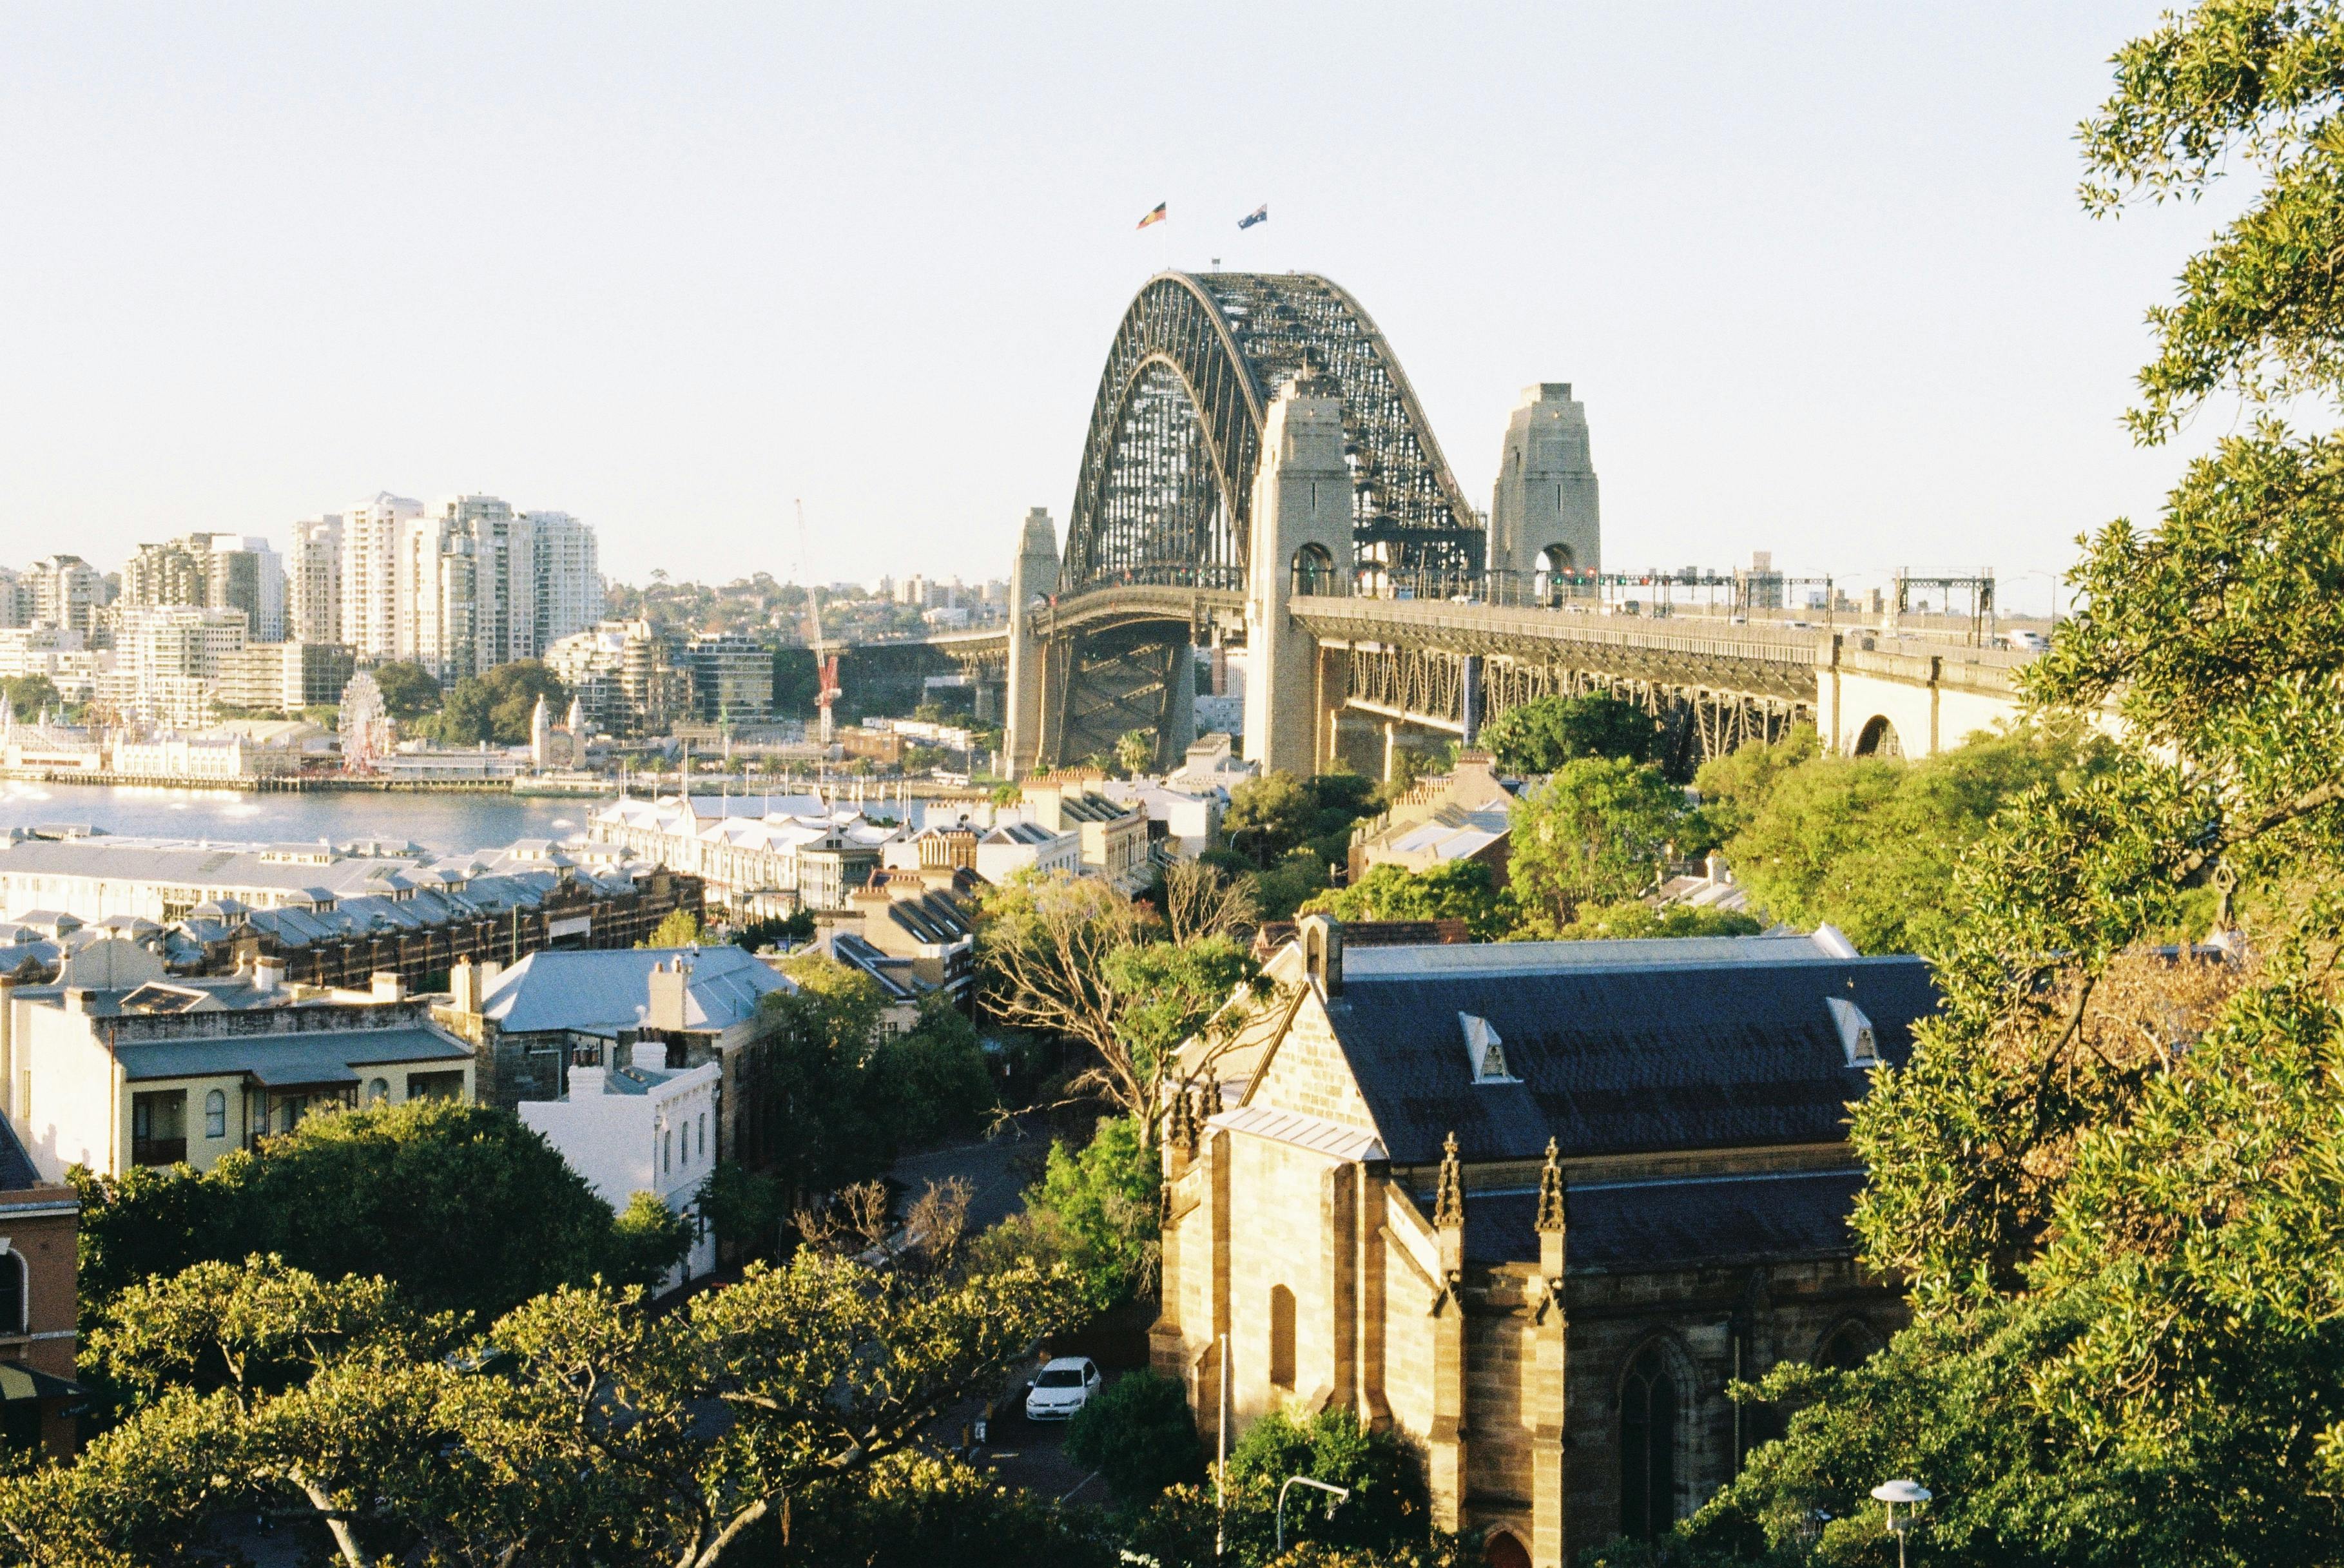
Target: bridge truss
{"type": "Point", "coordinates": [1166, 490]}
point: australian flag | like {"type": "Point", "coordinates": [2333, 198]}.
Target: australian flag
{"type": "Point", "coordinates": [1259, 215]}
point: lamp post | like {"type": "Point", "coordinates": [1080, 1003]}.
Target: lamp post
{"type": "Point", "coordinates": [1339, 1493]}
{"type": "Point", "coordinates": [1911, 1494]}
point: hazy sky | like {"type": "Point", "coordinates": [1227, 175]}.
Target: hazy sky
{"type": "Point", "coordinates": [1818, 272]}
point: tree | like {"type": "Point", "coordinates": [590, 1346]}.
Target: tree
{"type": "Point", "coordinates": [1134, 751]}
{"type": "Point", "coordinates": [818, 1044]}
{"type": "Point", "coordinates": [408, 690]}
{"type": "Point", "coordinates": [1140, 1434]}
{"type": "Point", "coordinates": [1540, 736]}
{"type": "Point", "coordinates": [1635, 918]}
{"type": "Point", "coordinates": [583, 1428]}
{"type": "Point", "coordinates": [1453, 890]}
{"type": "Point", "coordinates": [677, 929]}
{"type": "Point", "coordinates": [496, 707]}
{"type": "Point", "coordinates": [461, 1206]}
{"type": "Point", "coordinates": [1596, 832]}
{"type": "Point", "coordinates": [913, 1510]}
{"type": "Point", "coordinates": [1072, 957]}
{"type": "Point", "coordinates": [934, 1077]}
{"type": "Point", "coordinates": [1386, 1518]}
{"type": "Point", "coordinates": [1269, 815]}
{"type": "Point", "coordinates": [2110, 1169]}
{"type": "Point", "coordinates": [30, 696]}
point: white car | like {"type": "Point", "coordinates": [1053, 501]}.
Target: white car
{"type": "Point", "coordinates": [1062, 1387]}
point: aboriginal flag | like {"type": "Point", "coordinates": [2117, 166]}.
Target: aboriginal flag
{"type": "Point", "coordinates": [1157, 217]}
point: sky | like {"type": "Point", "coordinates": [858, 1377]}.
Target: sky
{"type": "Point", "coordinates": [1818, 272]}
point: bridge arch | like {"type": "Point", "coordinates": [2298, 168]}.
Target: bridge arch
{"type": "Point", "coordinates": [1878, 738]}
{"type": "Point", "coordinates": [1166, 490]}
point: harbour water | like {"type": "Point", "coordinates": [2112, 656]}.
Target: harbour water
{"type": "Point", "coordinates": [448, 823]}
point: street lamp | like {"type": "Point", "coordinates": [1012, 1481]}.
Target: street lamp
{"type": "Point", "coordinates": [1911, 1494]}
{"type": "Point", "coordinates": [1339, 1493]}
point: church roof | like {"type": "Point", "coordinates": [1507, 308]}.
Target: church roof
{"type": "Point", "coordinates": [1682, 1222]}
{"type": "Point", "coordinates": [1620, 1059]}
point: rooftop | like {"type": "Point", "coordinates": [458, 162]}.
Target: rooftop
{"type": "Point", "coordinates": [599, 992]}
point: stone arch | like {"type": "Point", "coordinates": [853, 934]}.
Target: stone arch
{"type": "Point", "coordinates": [1501, 1548]}
{"type": "Point", "coordinates": [1878, 738]}
{"type": "Point", "coordinates": [1314, 569]}
{"type": "Point", "coordinates": [1558, 557]}
{"type": "Point", "coordinates": [1846, 1344]}
{"type": "Point", "coordinates": [1654, 1402]}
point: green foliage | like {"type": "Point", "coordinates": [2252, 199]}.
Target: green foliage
{"type": "Point", "coordinates": [1174, 987]}
{"type": "Point", "coordinates": [1285, 887]}
{"type": "Point", "coordinates": [461, 1205]}
{"type": "Point", "coordinates": [1635, 918]}
{"type": "Point", "coordinates": [1133, 750]}
{"type": "Point", "coordinates": [1386, 1518]}
{"type": "Point", "coordinates": [1540, 736]}
{"type": "Point", "coordinates": [1733, 787]}
{"type": "Point", "coordinates": [1268, 817]}
{"type": "Point", "coordinates": [1454, 890]}
{"type": "Point", "coordinates": [1140, 1434]}
{"type": "Point", "coordinates": [408, 690]}
{"type": "Point", "coordinates": [821, 1044]}
{"type": "Point", "coordinates": [1872, 845]}
{"type": "Point", "coordinates": [29, 696]}
{"type": "Point", "coordinates": [677, 929]}
{"type": "Point", "coordinates": [795, 928]}
{"type": "Point", "coordinates": [746, 1207]}
{"type": "Point", "coordinates": [1094, 1212]}
{"type": "Point", "coordinates": [915, 1512]}
{"type": "Point", "coordinates": [1596, 832]}
{"type": "Point", "coordinates": [934, 1077]}
{"type": "Point", "coordinates": [496, 707]}
{"type": "Point", "coordinates": [651, 1239]}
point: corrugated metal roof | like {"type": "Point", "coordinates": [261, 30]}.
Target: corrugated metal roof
{"type": "Point", "coordinates": [1621, 1060]}
{"type": "Point", "coordinates": [324, 1058]}
{"type": "Point", "coordinates": [599, 992]}
{"type": "Point", "coordinates": [1546, 957]}
{"type": "Point", "coordinates": [1316, 1133]}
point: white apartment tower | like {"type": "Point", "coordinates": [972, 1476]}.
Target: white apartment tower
{"type": "Point", "coordinates": [371, 542]}
{"type": "Point", "coordinates": [67, 592]}
{"type": "Point", "coordinates": [568, 577]}
{"type": "Point", "coordinates": [313, 582]}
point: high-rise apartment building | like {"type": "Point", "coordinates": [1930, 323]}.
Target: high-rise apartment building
{"type": "Point", "coordinates": [731, 676]}
{"type": "Point", "coordinates": [15, 598]}
{"type": "Point", "coordinates": [313, 582]}
{"type": "Point", "coordinates": [504, 578]}
{"type": "Point", "coordinates": [222, 571]}
{"type": "Point", "coordinates": [67, 592]}
{"type": "Point", "coordinates": [167, 661]}
{"type": "Point", "coordinates": [568, 577]}
{"type": "Point", "coordinates": [373, 533]}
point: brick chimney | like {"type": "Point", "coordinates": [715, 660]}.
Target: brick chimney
{"type": "Point", "coordinates": [388, 985]}
{"type": "Point", "coordinates": [669, 986]}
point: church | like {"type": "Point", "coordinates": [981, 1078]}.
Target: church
{"type": "Point", "coordinates": [1532, 1205]}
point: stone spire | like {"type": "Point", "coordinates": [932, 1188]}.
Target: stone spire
{"type": "Point", "coordinates": [1550, 1203]}
{"type": "Point", "coordinates": [1449, 1202]}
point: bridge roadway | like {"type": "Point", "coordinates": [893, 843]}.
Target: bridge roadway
{"type": "Point", "coordinates": [1451, 664]}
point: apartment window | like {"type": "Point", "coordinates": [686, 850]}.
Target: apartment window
{"type": "Point", "coordinates": [158, 1127]}
{"type": "Point", "coordinates": [378, 1091]}
{"type": "Point", "coordinates": [216, 1114]}
{"type": "Point", "coordinates": [436, 1085]}
{"type": "Point", "coordinates": [704, 1134]}
{"type": "Point", "coordinates": [667, 1150]}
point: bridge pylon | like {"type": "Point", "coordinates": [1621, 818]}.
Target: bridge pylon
{"type": "Point", "coordinates": [1302, 543]}
{"type": "Point", "coordinates": [1544, 515]}
{"type": "Point", "coordinates": [1033, 581]}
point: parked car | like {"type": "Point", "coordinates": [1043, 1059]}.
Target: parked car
{"type": "Point", "coordinates": [1062, 1387]}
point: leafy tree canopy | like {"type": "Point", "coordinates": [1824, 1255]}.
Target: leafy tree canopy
{"type": "Point", "coordinates": [408, 690]}
{"type": "Point", "coordinates": [1454, 890]}
{"type": "Point", "coordinates": [1540, 736]}
{"type": "Point", "coordinates": [1596, 832]}
{"type": "Point", "coordinates": [496, 707]}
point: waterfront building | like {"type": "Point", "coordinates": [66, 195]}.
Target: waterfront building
{"type": "Point", "coordinates": [732, 677]}
{"type": "Point", "coordinates": [67, 592]}
{"type": "Point", "coordinates": [39, 1305]}
{"type": "Point", "coordinates": [33, 747]}
{"type": "Point", "coordinates": [64, 656]}
{"type": "Point", "coordinates": [285, 677]}
{"type": "Point", "coordinates": [1531, 1206]}
{"type": "Point", "coordinates": [799, 852]}
{"type": "Point", "coordinates": [640, 1126]}
{"type": "Point", "coordinates": [566, 575]}
{"type": "Point", "coordinates": [212, 755]}
{"type": "Point", "coordinates": [167, 661]}
{"type": "Point", "coordinates": [372, 533]}
{"type": "Point", "coordinates": [217, 571]}
{"type": "Point", "coordinates": [313, 582]}
{"type": "Point", "coordinates": [625, 677]}
{"type": "Point", "coordinates": [118, 1065]}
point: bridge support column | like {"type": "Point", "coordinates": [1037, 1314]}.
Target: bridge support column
{"type": "Point", "coordinates": [1032, 580]}
{"type": "Point", "coordinates": [1301, 531]}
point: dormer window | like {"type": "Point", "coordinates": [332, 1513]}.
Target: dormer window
{"type": "Point", "coordinates": [1485, 1050]}
{"type": "Point", "coordinates": [1855, 1035]}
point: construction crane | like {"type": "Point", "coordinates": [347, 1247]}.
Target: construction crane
{"type": "Point", "coordinates": [825, 652]}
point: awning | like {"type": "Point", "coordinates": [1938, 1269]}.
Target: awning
{"type": "Point", "coordinates": [18, 1381]}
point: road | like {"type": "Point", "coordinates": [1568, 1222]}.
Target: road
{"type": "Point", "coordinates": [998, 1171]}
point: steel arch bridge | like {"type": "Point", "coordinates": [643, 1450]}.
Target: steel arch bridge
{"type": "Point", "coordinates": [1165, 491]}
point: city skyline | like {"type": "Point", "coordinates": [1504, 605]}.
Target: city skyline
{"type": "Point", "coordinates": [728, 273]}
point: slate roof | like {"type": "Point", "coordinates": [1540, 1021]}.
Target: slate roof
{"type": "Point", "coordinates": [16, 1168]}
{"type": "Point", "coordinates": [599, 992]}
{"type": "Point", "coordinates": [326, 1056]}
{"type": "Point", "coordinates": [1635, 1226]}
{"type": "Point", "coordinates": [1630, 1059]}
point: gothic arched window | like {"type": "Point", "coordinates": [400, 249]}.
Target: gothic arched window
{"type": "Point", "coordinates": [1281, 1336]}
{"type": "Point", "coordinates": [1648, 1446]}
